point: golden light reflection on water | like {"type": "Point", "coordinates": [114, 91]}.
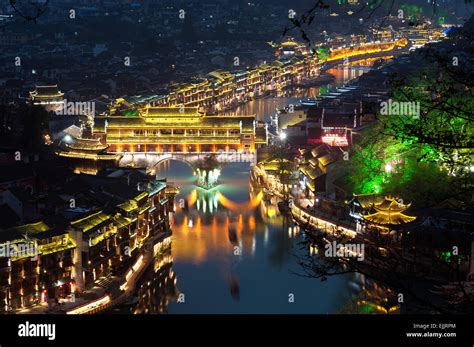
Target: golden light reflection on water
{"type": "Point", "coordinates": [266, 106]}
{"type": "Point", "coordinates": [228, 231]}
{"type": "Point", "coordinates": [214, 235]}
{"type": "Point", "coordinates": [214, 197]}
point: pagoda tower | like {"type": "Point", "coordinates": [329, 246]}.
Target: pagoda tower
{"type": "Point", "coordinates": [89, 156]}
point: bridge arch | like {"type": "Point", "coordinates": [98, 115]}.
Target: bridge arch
{"type": "Point", "coordinates": [170, 157]}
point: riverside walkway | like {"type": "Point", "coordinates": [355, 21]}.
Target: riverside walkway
{"type": "Point", "coordinates": [306, 217]}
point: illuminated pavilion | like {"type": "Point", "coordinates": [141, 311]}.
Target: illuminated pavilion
{"type": "Point", "coordinates": [382, 212]}
{"type": "Point", "coordinates": [89, 156]}
{"type": "Point", "coordinates": [178, 129]}
{"type": "Point", "coordinates": [389, 212]}
{"type": "Point", "coordinates": [289, 47]}
{"type": "Point", "coordinates": [50, 97]}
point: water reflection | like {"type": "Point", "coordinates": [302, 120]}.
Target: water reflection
{"type": "Point", "coordinates": [238, 258]}
{"type": "Point", "coordinates": [157, 287]}
{"type": "Point", "coordinates": [264, 108]}
{"type": "Point", "coordinates": [213, 225]}
{"type": "Point", "coordinates": [231, 250]}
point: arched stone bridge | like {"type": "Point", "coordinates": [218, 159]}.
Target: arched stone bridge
{"type": "Point", "coordinates": [206, 177]}
{"type": "Point", "coordinates": [151, 160]}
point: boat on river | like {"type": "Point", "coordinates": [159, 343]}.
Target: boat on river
{"type": "Point", "coordinates": [309, 102]}
{"type": "Point", "coordinates": [232, 235]}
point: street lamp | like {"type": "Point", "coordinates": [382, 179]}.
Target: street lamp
{"type": "Point", "coordinates": [282, 136]}
{"type": "Point", "coordinates": [66, 139]}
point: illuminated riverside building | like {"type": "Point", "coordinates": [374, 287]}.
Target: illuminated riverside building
{"type": "Point", "coordinates": [89, 156]}
{"type": "Point", "coordinates": [366, 49]}
{"type": "Point", "coordinates": [221, 90]}
{"type": "Point", "coordinates": [318, 169]}
{"type": "Point", "coordinates": [71, 252]}
{"type": "Point", "coordinates": [384, 213]}
{"type": "Point", "coordinates": [289, 47]}
{"type": "Point", "coordinates": [50, 97]}
{"type": "Point", "coordinates": [179, 129]}
{"type": "Point", "coordinates": [178, 122]}
{"type": "Point", "coordinates": [36, 261]}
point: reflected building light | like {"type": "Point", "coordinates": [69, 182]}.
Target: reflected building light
{"type": "Point", "coordinates": [254, 243]}
{"type": "Point", "coordinates": [265, 236]}
{"type": "Point", "coordinates": [211, 205]}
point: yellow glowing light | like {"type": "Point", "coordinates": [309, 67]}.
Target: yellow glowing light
{"type": "Point", "coordinates": [90, 306]}
{"type": "Point", "coordinates": [271, 212]}
{"type": "Point", "coordinates": [253, 203]}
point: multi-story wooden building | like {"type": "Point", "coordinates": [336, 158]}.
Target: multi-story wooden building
{"type": "Point", "coordinates": [50, 97]}
{"type": "Point", "coordinates": [44, 261]}
{"type": "Point", "coordinates": [178, 129]}
{"type": "Point", "coordinates": [88, 156]}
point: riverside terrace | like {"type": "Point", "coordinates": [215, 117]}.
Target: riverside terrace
{"type": "Point", "coordinates": [101, 226]}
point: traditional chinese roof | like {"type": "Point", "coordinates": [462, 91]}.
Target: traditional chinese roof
{"type": "Point", "coordinates": [38, 232]}
{"type": "Point", "coordinates": [90, 156]}
{"type": "Point", "coordinates": [46, 91]}
{"type": "Point", "coordinates": [91, 149]}
{"type": "Point", "coordinates": [87, 145]}
{"type": "Point", "coordinates": [221, 75]}
{"type": "Point", "coordinates": [388, 217]}
{"type": "Point", "coordinates": [205, 122]}
{"type": "Point", "coordinates": [319, 151]}
{"type": "Point", "coordinates": [32, 228]}
{"type": "Point", "coordinates": [389, 211]}
{"type": "Point", "coordinates": [327, 159]}
{"type": "Point", "coordinates": [122, 221]}
{"type": "Point", "coordinates": [166, 112]}
{"type": "Point", "coordinates": [21, 232]}
{"type": "Point", "coordinates": [128, 206]}
{"type": "Point", "coordinates": [132, 204]}
{"type": "Point", "coordinates": [139, 99]}
{"type": "Point", "coordinates": [91, 221]}
{"type": "Point", "coordinates": [309, 172]}
{"type": "Point", "coordinates": [290, 42]}
{"type": "Point", "coordinates": [391, 204]}
{"type": "Point", "coordinates": [367, 201]}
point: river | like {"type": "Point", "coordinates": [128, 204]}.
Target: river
{"type": "Point", "coordinates": [264, 108]}
{"type": "Point", "coordinates": [236, 260]}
